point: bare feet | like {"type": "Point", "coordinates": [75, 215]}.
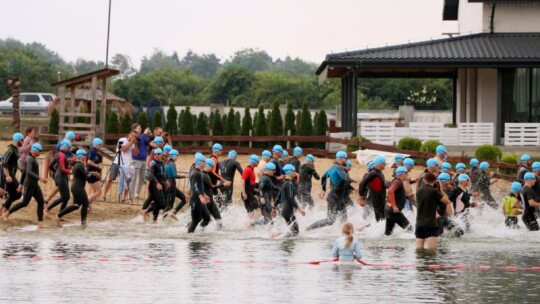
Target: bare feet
{"type": "Point", "coordinates": [40, 225]}
{"type": "Point", "coordinates": [144, 214]}
{"type": "Point", "coordinates": [5, 216]}
{"type": "Point", "coordinates": [58, 224]}
{"type": "Point", "coordinates": [47, 214]}
{"type": "Point", "coordinates": [173, 215]}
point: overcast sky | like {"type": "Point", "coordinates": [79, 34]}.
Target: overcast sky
{"type": "Point", "coordinates": [308, 29]}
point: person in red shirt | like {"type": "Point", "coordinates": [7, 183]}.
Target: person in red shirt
{"type": "Point", "coordinates": [248, 186]}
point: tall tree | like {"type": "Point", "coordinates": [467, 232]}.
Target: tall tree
{"type": "Point", "coordinates": [289, 120]}
{"type": "Point", "coordinates": [157, 120]}
{"type": "Point", "coordinates": [125, 124]}
{"type": "Point", "coordinates": [252, 60]}
{"type": "Point", "coordinates": [237, 123]}
{"type": "Point", "coordinates": [276, 122]}
{"type": "Point", "coordinates": [247, 124]}
{"type": "Point", "coordinates": [123, 63]}
{"type": "Point", "coordinates": [231, 82]}
{"type": "Point", "coordinates": [229, 123]}
{"type": "Point", "coordinates": [217, 126]}
{"type": "Point", "coordinates": [260, 127]}
{"type": "Point", "coordinates": [205, 65]}
{"type": "Point", "coordinates": [142, 119]}
{"type": "Point", "coordinates": [172, 119]}
{"type": "Point", "coordinates": [188, 125]}
{"type": "Point", "coordinates": [202, 124]}
{"type": "Point", "coordinates": [306, 125]}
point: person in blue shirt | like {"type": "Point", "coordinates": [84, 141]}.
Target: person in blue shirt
{"type": "Point", "coordinates": [139, 160]}
{"type": "Point", "coordinates": [347, 248]}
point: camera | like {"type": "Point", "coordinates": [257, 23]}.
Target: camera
{"type": "Point", "coordinates": [120, 143]}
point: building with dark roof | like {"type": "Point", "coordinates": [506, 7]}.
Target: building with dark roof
{"type": "Point", "coordinates": [496, 73]}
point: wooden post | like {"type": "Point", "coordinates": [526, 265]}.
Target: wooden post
{"type": "Point", "coordinates": [250, 142]}
{"type": "Point", "coordinates": [103, 108]}
{"type": "Point", "coordinates": [71, 104]}
{"type": "Point", "coordinates": [288, 139]}
{"type": "Point", "coordinates": [62, 93]}
{"type": "Point", "coordinates": [93, 108]}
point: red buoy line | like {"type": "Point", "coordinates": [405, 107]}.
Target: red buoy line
{"type": "Point", "coordinates": [316, 262]}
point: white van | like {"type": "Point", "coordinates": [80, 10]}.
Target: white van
{"type": "Point", "coordinates": [28, 103]}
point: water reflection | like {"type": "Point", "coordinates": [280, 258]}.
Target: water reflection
{"type": "Point", "coordinates": [26, 249]}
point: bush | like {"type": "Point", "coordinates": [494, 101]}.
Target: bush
{"type": "Point", "coordinates": [54, 122]}
{"type": "Point", "coordinates": [410, 143]}
{"type": "Point", "coordinates": [488, 152]}
{"type": "Point", "coordinates": [355, 148]}
{"type": "Point", "coordinates": [430, 145]}
{"type": "Point", "coordinates": [511, 159]}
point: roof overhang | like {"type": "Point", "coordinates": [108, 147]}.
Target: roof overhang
{"type": "Point", "coordinates": [85, 78]}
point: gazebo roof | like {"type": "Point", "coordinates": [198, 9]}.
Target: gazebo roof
{"type": "Point", "coordinates": [477, 50]}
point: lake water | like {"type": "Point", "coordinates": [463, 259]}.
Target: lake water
{"type": "Point", "coordinates": [130, 261]}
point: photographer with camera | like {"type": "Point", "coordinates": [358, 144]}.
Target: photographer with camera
{"type": "Point", "coordinates": [124, 154]}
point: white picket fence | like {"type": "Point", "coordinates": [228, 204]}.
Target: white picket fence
{"type": "Point", "coordinates": [466, 134]}
{"type": "Point", "coordinates": [522, 134]}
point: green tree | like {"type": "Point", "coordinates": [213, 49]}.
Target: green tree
{"type": "Point", "coordinates": [252, 60]}
{"type": "Point", "coordinates": [159, 60]}
{"type": "Point", "coordinates": [211, 120]}
{"type": "Point", "coordinates": [321, 127]}
{"type": "Point", "coordinates": [237, 123]}
{"type": "Point", "coordinates": [187, 124]}
{"type": "Point", "coordinates": [289, 120]}
{"type": "Point", "coordinates": [217, 126]}
{"type": "Point", "coordinates": [260, 127]}
{"type": "Point", "coordinates": [202, 126]}
{"type": "Point", "coordinates": [111, 125]}
{"type": "Point", "coordinates": [123, 63]}
{"type": "Point", "coordinates": [276, 122]}
{"type": "Point", "coordinates": [205, 65]}
{"type": "Point", "coordinates": [247, 124]}
{"type": "Point", "coordinates": [172, 120]}
{"type": "Point", "coordinates": [142, 119]}
{"type": "Point", "coordinates": [229, 123]}
{"type": "Point", "coordinates": [180, 120]}
{"type": "Point", "coordinates": [54, 122]}
{"type": "Point", "coordinates": [306, 125]}
{"type": "Point", "coordinates": [231, 82]}
{"type": "Point", "coordinates": [298, 121]}
{"type": "Point", "coordinates": [157, 120]}
{"type": "Point", "coordinates": [125, 124]}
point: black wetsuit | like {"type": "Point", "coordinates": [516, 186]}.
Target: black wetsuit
{"type": "Point", "coordinates": [228, 169]}
{"type": "Point", "coordinates": [275, 179]}
{"type": "Point", "coordinates": [156, 197]}
{"type": "Point", "coordinates": [529, 218]}
{"type": "Point", "coordinates": [97, 159]}
{"type": "Point", "coordinates": [61, 176]}
{"type": "Point", "coordinates": [337, 198]}
{"type": "Point", "coordinates": [80, 198]}
{"type": "Point", "coordinates": [197, 207]}
{"type": "Point", "coordinates": [266, 188]}
{"type": "Point", "coordinates": [304, 187]}
{"type": "Point", "coordinates": [393, 218]}
{"type": "Point", "coordinates": [375, 181]}
{"type": "Point", "coordinates": [288, 205]}
{"type": "Point", "coordinates": [521, 173]}
{"type": "Point", "coordinates": [11, 159]}
{"type": "Point", "coordinates": [173, 192]}
{"type": "Point", "coordinates": [295, 162]}
{"type": "Point", "coordinates": [482, 184]}
{"type": "Point", "coordinates": [444, 221]}
{"type": "Point", "coordinates": [473, 174]}
{"type": "Point", "coordinates": [180, 205]}
{"type": "Point", "coordinates": [31, 188]}
{"type": "Point", "coordinates": [210, 189]}
{"type": "Point", "coordinates": [461, 200]}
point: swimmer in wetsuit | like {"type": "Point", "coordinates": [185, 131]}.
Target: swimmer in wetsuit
{"type": "Point", "coordinates": [61, 178]}
{"type": "Point", "coordinates": [288, 201]}
{"type": "Point", "coordinates": [307, 171]}
{"type": "Point", "coordinates": [396, 203]}
{"type": "Point", "coordinates": [31, 186]}
{"type": "Point", "coordinates": [375, 182]}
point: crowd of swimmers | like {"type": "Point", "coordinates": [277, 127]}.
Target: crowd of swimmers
{"type": "Point", "coordinates": [274, 184]}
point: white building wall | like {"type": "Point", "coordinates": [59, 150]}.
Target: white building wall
{"type": "Point", "coordinates": [512, 17]}
{"type": "Point", "coordinates": [487, 106]}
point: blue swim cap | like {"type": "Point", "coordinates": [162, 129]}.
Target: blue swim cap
{"type": "Point", "coordinates": [17, 137]}
{"type": "Point", "coordinates": [284, 154]}
{"type": "Point", "coordinates": [484, 165]}
{"type": "Point", "coordinates": [348, 164]}
{"type": "Point", "coordinates": [277, 148]}
{"type": "Point", "coordinates": [460, 166]}
{"type": "Point", "coordinates": [199, 158]}
{"type": "Point", "coordinates": [266, 154]}
{"type": "Point", "coordinates": [408, 162]}
{"type": "Point", "coordinates": [158, 151]}
{"type": "Point", "coordinates": [253, 158]}
{"type": "Point", "coordinates": [36, 147]}
{"type": "Point", "coordinates": [297, 151]}
{"type": "Point", "coordinates": [269, 167]}
{"type": "Point", "coordinates": [446, 166]}
{"type": "Point", "coordinates": [516, 187]}
{"type": "Point", "coordinates": [370, 165]}
{"type": "Point", "coordinates": [70, 135]}
{"type": "Point", "coordinates": [174, 153]}
{"type": "Point", "coordinates": [398, 157]}
{"type": "Point", "coordinates": [379, 160]}
{"type": "Point", "coordinates": [80, 153]}
{"type": "Point", "coordinates": [97, 141]}
{"type": "Point", "coordinates": [443, 177]}
{"type": "Point", "coordinates": [217, 147]}
{"type": "Point", "coordinates": [463, 177]}
{"type": "Point", "coordinates": [536, 166]}
{"type": "Point", "coordinates": [158, 140]}
{"type": "Point", "coordinates": [310, 158]}
{"type": "Point", "coordinates": [65, 143]}
{"type": "Point", "coordinates": [341, 154]}
{"type": "Point", "coordinates": [529, 176]}
{"type": "Point", "coordinates": [401, 170]}
{"type": "Point", "coordinates": [288, 169]}
{"type": "Point", "coordinates": [232, 154]}
{"type": "Point", "coordinates": [440, 149]}
{"type": "Point", "coordinates": [167, 148]}
{"type": "Point", "coordinates": [525, 157]}
{"type": "Point", "coordinates": [210, 162]}
{"type": "Point", "coordinates": [432, 162]}
{"type": "Point", "coordinates": [473, 162]}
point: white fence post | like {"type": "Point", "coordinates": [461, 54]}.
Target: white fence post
{"type": "Point", "coordinates": [476, 134]}
{"type": "Point", "coordinates": [378, 132]}
{"type": "Point", "coordinates": [426, 131]}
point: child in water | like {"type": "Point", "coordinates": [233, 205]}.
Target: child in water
{"type": "Point", "coordinates": [512, 206]}
{"type": "Point", "coordinates": [347, 248]}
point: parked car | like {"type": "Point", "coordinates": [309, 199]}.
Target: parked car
{"type": "Point", "coordinates": [364, 116]}
{"type": "Point", "coordinates": [28, 103]}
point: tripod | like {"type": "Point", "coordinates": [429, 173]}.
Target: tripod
{"type": "Point", "coordinates": [119, 163]}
